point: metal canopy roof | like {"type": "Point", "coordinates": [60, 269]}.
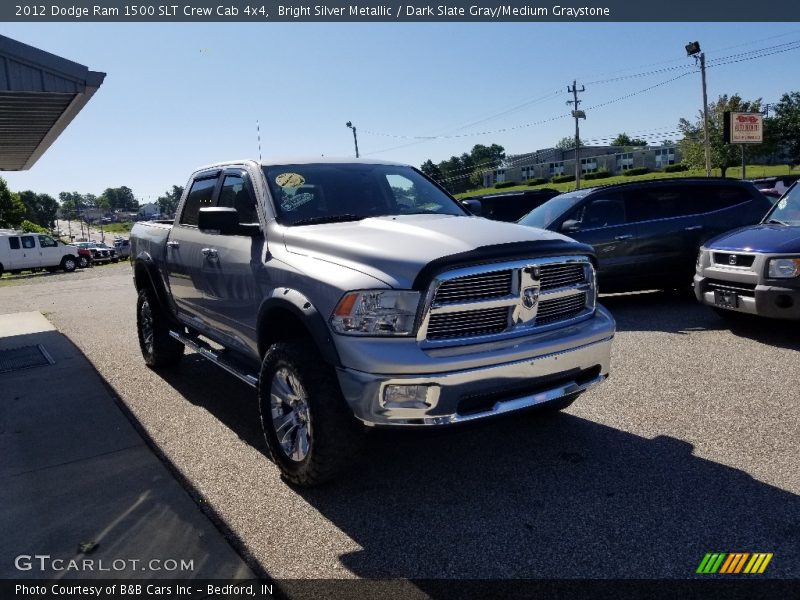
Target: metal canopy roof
{"type": "Point", "coordinates": [40, 94]}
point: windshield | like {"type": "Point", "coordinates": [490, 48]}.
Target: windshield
{"type": "Point", "coordinates": [787, 210]}
{"type": "Point", "coordinates": [307, 194]}
{"type": "Point", "coordinates": [544, 215]}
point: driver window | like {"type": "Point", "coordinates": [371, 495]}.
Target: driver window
{"type": "Point", "coordinates": [603, 211]}
{"type": "Point", "coordinates": [234, 194]}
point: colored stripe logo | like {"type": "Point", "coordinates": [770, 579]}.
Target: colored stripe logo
{"type": "Point", "coordinates": [732, 563]}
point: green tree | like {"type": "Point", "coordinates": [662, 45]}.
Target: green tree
{"type": "Point", "coordinates": [723, 155]}
{"type": "Point", "coordinates": [39, 208]}
{"type": "Point", "coordinates": [121, 198]}
{"type": "Point", "coordinates": [623, 139]}
{"type": "Point", "coordinates": [786, 126]}
{"type": "Point", "coordinates": [568, 143]}
{"type": "Point", "coordinates": [168, 202]}
{"type": "Point", "coordinates": [12, 210]}
{"type": "Point", "coordinates": [431, 170]}
{"type": "Point", "coordinates": [459, 173]}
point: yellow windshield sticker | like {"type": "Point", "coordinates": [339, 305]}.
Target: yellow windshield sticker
{"type": "Point", "coordinates": [290, 180]}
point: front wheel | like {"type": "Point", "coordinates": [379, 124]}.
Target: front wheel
{"type": "Point", "coordinates": [69, 264]}
{"type": "Point", "coordinates": [158, 348]}
{"type": "Point", "coordinates": [309, 429]}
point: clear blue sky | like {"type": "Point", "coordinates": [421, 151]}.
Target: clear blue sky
{"type": "Point", "coordinates": [178, 96]}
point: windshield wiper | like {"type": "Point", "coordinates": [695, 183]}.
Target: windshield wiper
{"type": "Point", "coordinates": [777, 222]}
{"type": "Point", "coordinates": [329, 219]}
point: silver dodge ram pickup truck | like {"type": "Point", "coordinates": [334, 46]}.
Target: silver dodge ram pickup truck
{"type": "Point", "coordinates": [358, 292]}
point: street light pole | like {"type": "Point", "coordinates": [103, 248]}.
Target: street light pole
{"type": "Point", "coordinates": [693, 49]}
{"type": "Point", "coordinates": [355, 137]}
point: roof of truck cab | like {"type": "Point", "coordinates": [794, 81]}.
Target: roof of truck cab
{"type": "Point", "coordinates": [302, 160]}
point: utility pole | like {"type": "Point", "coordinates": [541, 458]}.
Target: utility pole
{"type": "Point", "coordinates": [578, 114]}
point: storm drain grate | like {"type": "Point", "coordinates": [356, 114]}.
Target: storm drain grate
{"type": "Point", "coordinates": [16, 359]}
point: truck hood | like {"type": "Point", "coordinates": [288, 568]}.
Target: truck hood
{"type": "Point", "coordinates": [778, 239]}
{"type": "Point", "coordinates": [394, 249]}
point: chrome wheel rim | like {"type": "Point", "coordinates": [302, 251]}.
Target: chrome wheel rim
{"type": "Point", "coordinates": [146, 325]}
{"type": "Point", "coordinates": [291, 420]}
{"type": "Point", "coordinates": [70, 264]}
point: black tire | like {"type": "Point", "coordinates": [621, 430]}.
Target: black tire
{"type": "Point", "coordinates": [114, 260]}
{"type": "Point", "coordinates": [152, 325]}
{"type": "Point", "coordinates": [1, 270]}
{"type": "Point", "coordinates": [320, 416]}
{"type": "Point", "coordinates": [69, 263]}
{"type": "Point", "coordinates": [83, 262]}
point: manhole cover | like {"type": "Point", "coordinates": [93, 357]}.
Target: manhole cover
{"type": "Point", "coordinates": [16, 359]}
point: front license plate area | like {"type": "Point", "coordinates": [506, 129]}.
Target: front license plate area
{"type": "Point", "coordinates": [725, 299]}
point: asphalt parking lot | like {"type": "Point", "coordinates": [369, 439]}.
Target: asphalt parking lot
{"type": "Point", "coordinates": [690, 447]}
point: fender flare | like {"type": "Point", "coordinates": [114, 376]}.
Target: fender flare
{"type": "Point", "coordinates": [300, 306]}
{"type": "Point", "coordinates": [144, 267]}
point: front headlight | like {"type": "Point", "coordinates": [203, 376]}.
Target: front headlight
{"type": "Point", "coordinates": [702, 259]}
{"type": "Point", "coordinates": [376, 313]}
{"type": "Point", "coordinates": [783, 268]}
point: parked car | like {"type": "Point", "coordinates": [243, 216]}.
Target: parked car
{"type": "Point", "coordinates": [20, 251]}
{"type": "Point", "coordinates": [508, 206]}
{"type": "Point", "coordinates": [112, 252]}
{"type": "Point", "coordinates": [123, 247]}
{"type": "Point", "coordinates": [772, 194]}
{"type": "Point", "coordinates": [351, 292]}
{"type": "Point", "coordinates": [755, 269]}
{"type": "Point", "coordinates": [100, 254]}
{"type": "Point", "coordinates": [646, 234]}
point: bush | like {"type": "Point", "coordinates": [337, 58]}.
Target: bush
{"type": "Point", "coordinates": [505, 184]}
{"type": "Point", "coordinates": [537, 181]}
{"type": "Point", "coordinates": [675, 168]}
{"type": "Point", "coordinates": [597, 175]}
{"type": "Point", "coordinates": [562, 179]}
{"type": "Point", "coordinates": [30, 227]}
{"type": "Point", "coordinates": [636, 171]}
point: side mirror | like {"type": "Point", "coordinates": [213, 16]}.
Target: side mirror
{"type": "Point", "coordinates": [473, 206]}
{"type": "Point", "coordinates": [570, 226]}
{"type": "Point", "coordinates": [222, 219]}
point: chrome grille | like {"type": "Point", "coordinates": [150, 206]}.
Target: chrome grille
{"type": "Point", "coordinates": [468, 323]}
{"type": "Point", "coordinates": [560, 309]}
{"type": "Point", "coordinates": [508, 298]}
{"type": "Point", "coordinates": [476, 287]}
{"type": "Point", "coordinates": [561, 275]}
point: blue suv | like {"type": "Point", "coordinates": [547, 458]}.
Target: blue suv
{"type": "Point", "coordinates": [755, 269]}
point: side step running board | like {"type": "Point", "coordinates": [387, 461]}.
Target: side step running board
{"type": "Point", "coordinates": [218, 357]}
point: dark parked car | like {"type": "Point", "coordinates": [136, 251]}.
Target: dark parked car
{"type": "Point", "coordinates": [100, 252]}
{"type": "Point", "coordinates": [647, 234]}
{"type": "Point", "coordinates": [509, 206]}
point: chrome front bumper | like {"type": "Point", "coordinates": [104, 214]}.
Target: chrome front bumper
{"type": "Point", "coordinates": [477, 393]}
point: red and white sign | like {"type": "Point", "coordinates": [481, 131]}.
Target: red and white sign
{"type": "Point", "coordinates": [746, 128]}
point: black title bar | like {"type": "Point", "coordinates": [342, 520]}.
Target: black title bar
{"type": "Point", "coordinates": [260, 11]}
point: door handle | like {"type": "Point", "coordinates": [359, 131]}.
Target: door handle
{"type": "Point", "coordinates": [172, 244]}
{"type": "Point", "coordinates": [621, 238]}
{"type": "Point", "coordinates": [210, 253]}
{"type": "Point", "coordinates": [693, 228]}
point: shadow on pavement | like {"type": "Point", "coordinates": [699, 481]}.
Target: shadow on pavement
{"type": "Point", "coordinates": [529, 496]}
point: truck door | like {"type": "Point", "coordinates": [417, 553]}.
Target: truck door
{"type": "Point", "coordinates": [29, 256]}
{"type": "Point", "coordinates": [233, 264]}
{"type": "Point", "coordinates": [184, 258]}
{"type": "Point", "coordinates": [49, 251]}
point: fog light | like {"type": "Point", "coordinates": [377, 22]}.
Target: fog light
{"type": "Point", "coordinates": [407, 396]}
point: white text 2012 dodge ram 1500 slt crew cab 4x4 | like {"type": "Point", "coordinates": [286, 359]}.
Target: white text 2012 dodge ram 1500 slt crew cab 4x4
{"type": "Point", "coordinates": [358, 292]}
